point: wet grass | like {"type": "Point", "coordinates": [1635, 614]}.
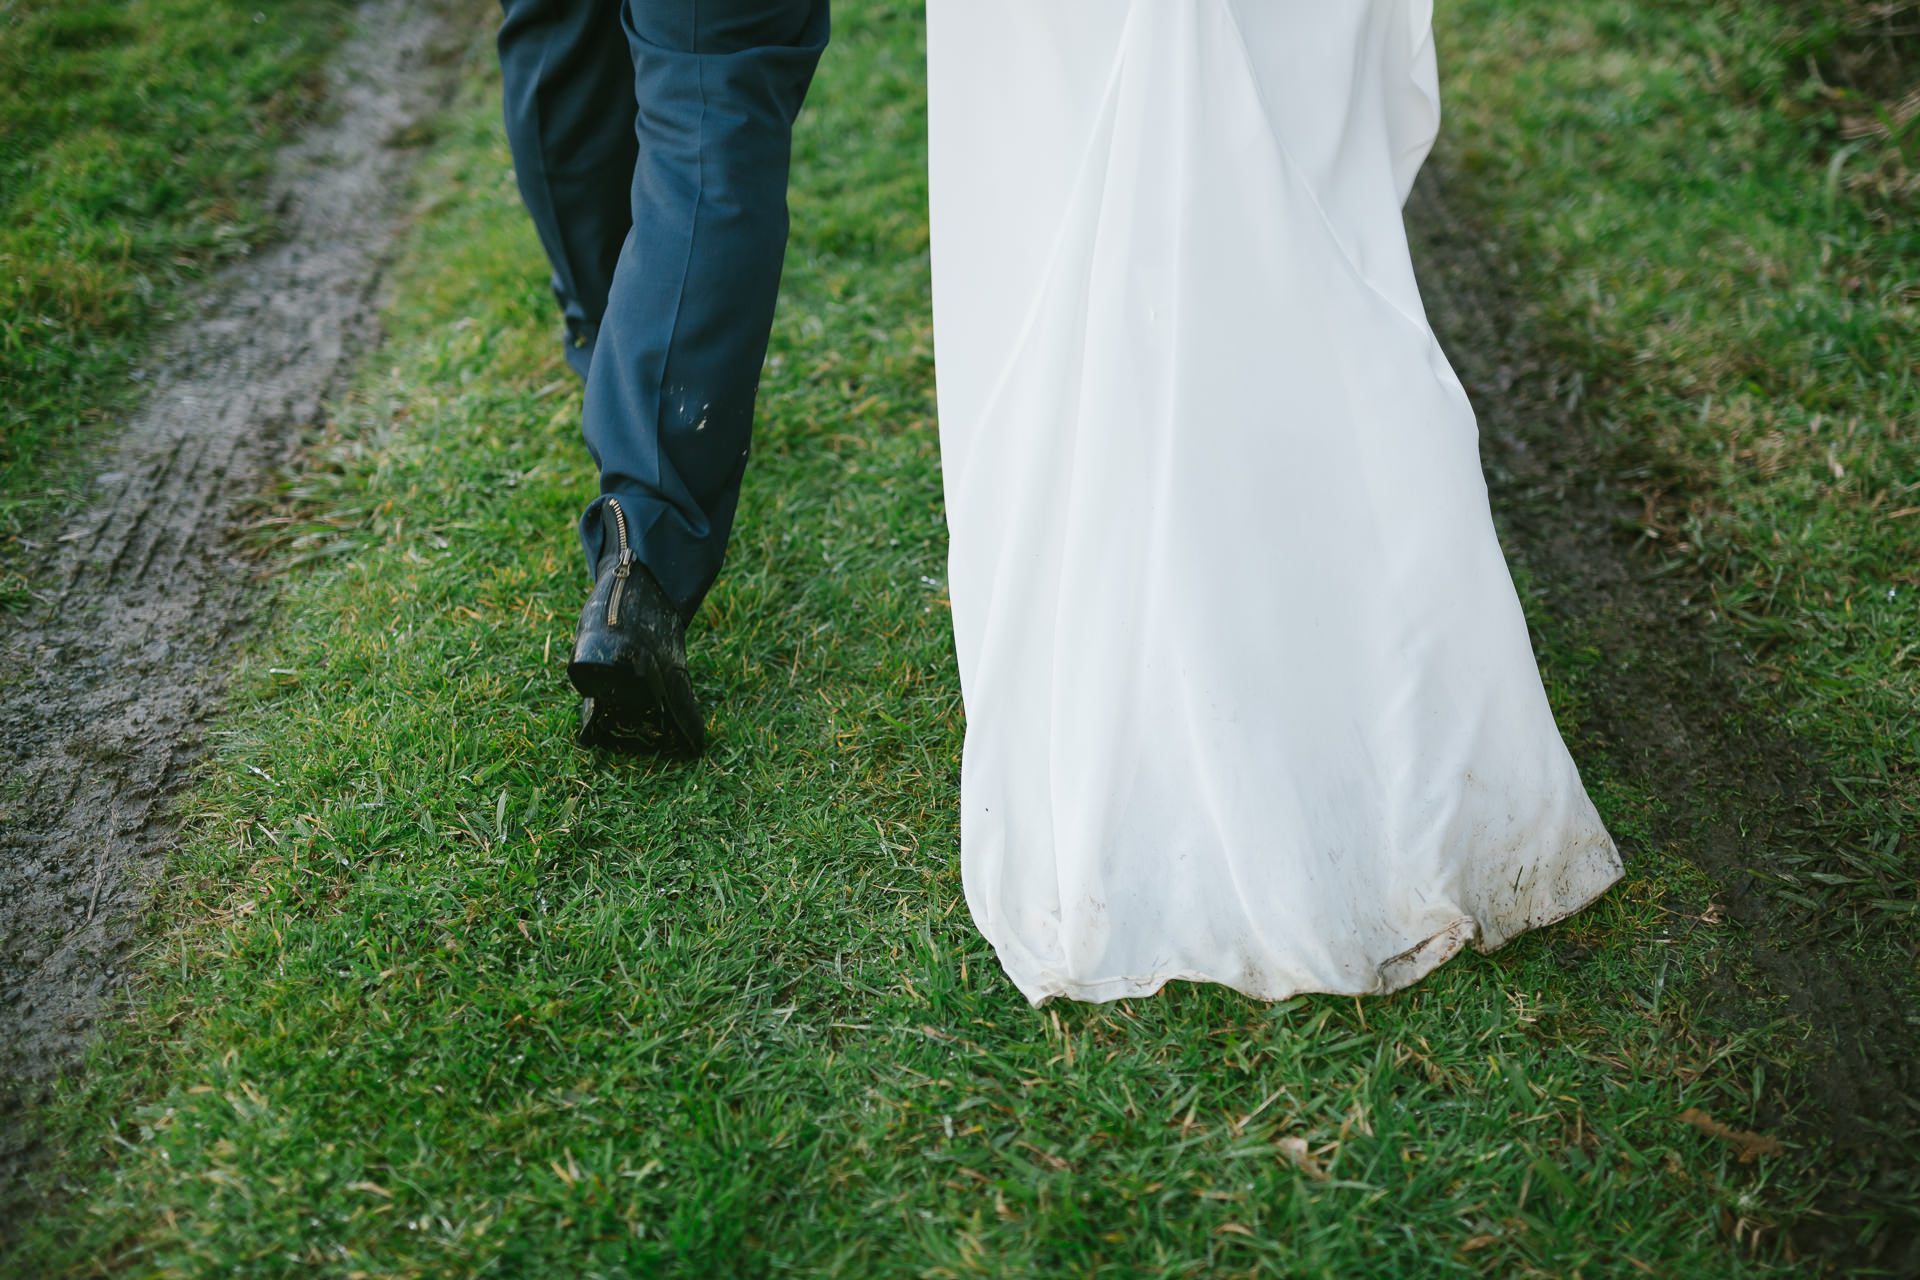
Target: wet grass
{"type": "Point", "coordinates": [132, 140]}
{"type": "Point", "coordinates": [434, 994]}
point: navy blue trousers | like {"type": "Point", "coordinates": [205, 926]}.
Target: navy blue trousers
{"type": "Point", "coordinates": [651, 141]}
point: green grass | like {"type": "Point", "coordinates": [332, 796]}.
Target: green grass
{"type": "Point", "coordinates": [434, 994]}
{"type": "Point", "coordinates": [1740, 287]}
{"type": "Point", "coordinates": [133, 136]}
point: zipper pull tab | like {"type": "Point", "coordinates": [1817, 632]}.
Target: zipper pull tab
{"type": "Point", "coordinates": [621, 572]}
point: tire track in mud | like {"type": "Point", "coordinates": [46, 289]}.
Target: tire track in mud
{"type": "Point", "coordinates": [107, 680]}
{"type": "Point", "coordinates": [1670, 717]}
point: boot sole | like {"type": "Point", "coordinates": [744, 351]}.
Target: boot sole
{"type": "Point", "coordinates": [644, 708]}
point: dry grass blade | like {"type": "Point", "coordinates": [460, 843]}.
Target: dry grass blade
{"type": "Point", "coordinates": [1296, 1153]}
{"type": "Point", "coordinates": [1746, 1145]}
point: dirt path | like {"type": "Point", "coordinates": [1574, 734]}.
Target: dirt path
{"type": "Point", "coordinates": [111, 676]}
{"type": "Point", "coordinates": [1739, 796]}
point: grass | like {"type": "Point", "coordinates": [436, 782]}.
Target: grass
{"type": "Point", "coordinates": [133, 137]}
{"type": "Point", "coordinates": [433, 994]}
{"type": "Point", "coordinates": [1740, 286]}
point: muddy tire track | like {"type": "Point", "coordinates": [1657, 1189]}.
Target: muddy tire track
{"type": "Point", "coordinates": [1669, 715]}
{"type": "Point", "coordinates": [107, 681]}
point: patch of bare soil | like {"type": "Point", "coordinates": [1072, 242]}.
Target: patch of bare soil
{"type": "Point", "coordinates": [1739, 795]}
{"type": "Point", "coordinates": [107, 681]}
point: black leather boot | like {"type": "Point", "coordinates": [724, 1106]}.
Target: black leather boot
{"type": "Point", "coordinates": [630, 656]}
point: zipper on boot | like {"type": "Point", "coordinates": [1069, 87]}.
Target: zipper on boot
{"type": "Point", "coordinates": [624, 569]}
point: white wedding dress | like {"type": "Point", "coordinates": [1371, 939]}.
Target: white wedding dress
{"type": "Point", "coordinates": [1249, 695]}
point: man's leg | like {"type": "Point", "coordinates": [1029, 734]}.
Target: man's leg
{"type": "Point", "coordinates": [669, 403]}
{"type": "Point", "coordinates": [568, 97]}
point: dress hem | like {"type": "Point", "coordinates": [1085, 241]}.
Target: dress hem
{"type": "Point", "coordinates": [1390, 975]}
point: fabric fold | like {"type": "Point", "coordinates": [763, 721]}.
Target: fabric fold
{"type": "Point", "coordinates": [1249, 694]}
